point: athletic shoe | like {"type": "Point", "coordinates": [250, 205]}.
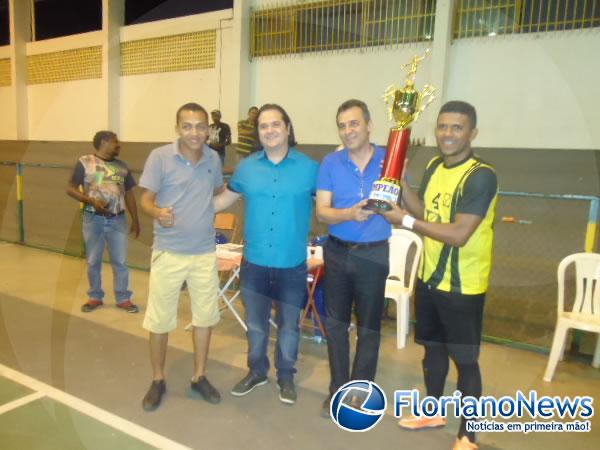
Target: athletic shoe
{"type": "Point", "coordinates": [154, 395]}
{"type": "Point", "coordinates": [324, 413]}
{"type": "Point", "coordinates": [464, 444]}
{"type": "Point", "coordinates": [206, 390]}
{"type": "Point", "coordinates": [91, 305]}
{"type": "Point", "coordinates": [247, 384]}
{"type": "Point", "coordinates": [421, 423]}
{"type": "Point", "coordinates": [287, 392]}
{"type": "Point", "coordinates": [128, 306]}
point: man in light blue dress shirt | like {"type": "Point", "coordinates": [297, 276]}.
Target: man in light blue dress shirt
{"type": "Point", "coordinates": [278, 185]}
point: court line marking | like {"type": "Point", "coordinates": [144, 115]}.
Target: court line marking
{"type": "Point", "coordinates": [20, 402]}
{"type": "Point", "coordinates": [125, 426]}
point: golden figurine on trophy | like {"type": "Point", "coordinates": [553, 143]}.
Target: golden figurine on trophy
{"type": "Point", "coordinates": [404, 107]}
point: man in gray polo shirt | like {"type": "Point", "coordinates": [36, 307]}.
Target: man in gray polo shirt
{"type": "Point", "coordinates": [180, 180]}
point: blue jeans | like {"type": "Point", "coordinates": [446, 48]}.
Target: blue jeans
{"type": "Point", "coordinates": [261, 287]}
{"type": "Point", "coordinates": [98, 230]}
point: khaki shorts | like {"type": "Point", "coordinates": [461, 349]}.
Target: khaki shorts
{"type": "Point", "coordinates": [168, 271]}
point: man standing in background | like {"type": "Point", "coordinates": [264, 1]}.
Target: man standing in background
{"type": "Point", "coordinates": [247, 136]}
{"type": "Point", "coordinates": [107, 191]}
{"type": "Point", "coordinates": [219, 135]}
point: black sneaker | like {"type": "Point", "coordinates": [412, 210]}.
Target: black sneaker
{"type": "Point", "coordinates": [355, 399]}
{"type": "Point", "coordinates": [248, 383]}
{"type": "Point", "coordinates": [206, 390]}
{"type": "Point", "coordinates": [91, 305]}
{"type": "Point", "coordinates": [324, 413]}
{"type": "Point", "coordinates": [128, 306]}
{"type": "Point", "coordinates": [356, 402]}
{"type": "Point", "coordinates": [154, 395]}
{"type": "Point", "coordinates": [287, 392]}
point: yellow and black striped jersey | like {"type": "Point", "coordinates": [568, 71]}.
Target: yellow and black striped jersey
{"type": "Point", "coordinates": [468, 187]}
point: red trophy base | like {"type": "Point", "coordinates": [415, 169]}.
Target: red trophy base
{"type": "Point", "coordinates": [387, 189]}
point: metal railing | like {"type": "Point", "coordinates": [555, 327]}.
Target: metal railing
{"type": "Point", "coordinates": [474, 18]}
{"type": "Point", "coordinates": [338, 25]}
{"type": "Point", "coordinates": [331, 25]}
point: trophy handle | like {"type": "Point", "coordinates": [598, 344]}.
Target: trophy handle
{"type": "Point", "coordinates": [425, 99]}
{"type": "Point", "coordinates": [388, 98]}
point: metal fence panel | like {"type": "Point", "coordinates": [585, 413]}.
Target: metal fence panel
{"type": "Point", "coordinates": [9, 228]}
{"type": "Point", "coordinates": [338, 25]}
{"type": "Point", "coordinates": [476, 18]}
{"type": "Point", "coordinates": [533, 233]}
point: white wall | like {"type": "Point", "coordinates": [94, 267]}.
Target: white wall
{"type": "Point", "coordinates": [312, 86]}
{"type": "Point", "coordinates": [149, 102]}
{"type": "Point", "coordinates": [8, 123]}
{"type": "Point", "coordinates": [531, 91]}
{"type": "Point", "coordinates": [69, 111]}
{"type": "Point", "coordinates": [228, 102]}
{"type": "Point", "coordinates": [74, 110]}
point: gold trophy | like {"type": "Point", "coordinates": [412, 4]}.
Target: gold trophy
{"type": "Point", "coordinates": [404, 107]}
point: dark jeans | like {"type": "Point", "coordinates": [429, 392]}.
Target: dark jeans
{"type": "Point", "coordinates": [354, 275]}
{"type": "Point", "coordinates": [261, 288]}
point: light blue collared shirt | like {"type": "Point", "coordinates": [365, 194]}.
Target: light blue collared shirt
{"type": "Point", "coordinates": [278, 205]}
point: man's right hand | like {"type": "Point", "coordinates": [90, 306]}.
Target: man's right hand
{"type": "Point", "coordinates": [100, 206]}
{"type": "Point", "coordinates": [358, 213]}
{"type": "Point", "coordinates": [165, 217]}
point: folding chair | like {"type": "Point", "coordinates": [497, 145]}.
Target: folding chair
{"type": "Point", "coordinates": [585, 314]}
{"type": "Point", "coordinates": [229, 263]}
{"type": "Point", "coordinates": [315, 263]}
{"type": "Point", "coordinates": [228, 223]}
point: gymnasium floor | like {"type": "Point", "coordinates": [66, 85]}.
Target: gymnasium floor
{"type": "Point", "coordinates": [70, 380]}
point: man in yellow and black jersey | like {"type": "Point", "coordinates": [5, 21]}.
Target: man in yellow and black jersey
{"type": "Point", "coordinates": [454, 212]}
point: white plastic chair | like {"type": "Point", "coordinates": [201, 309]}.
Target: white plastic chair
{"type": "Point", "coordinates": [585, 314]}
{"type": "Point", "coordinates": [396, 287]}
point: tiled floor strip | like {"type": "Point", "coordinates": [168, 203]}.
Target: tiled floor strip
{"type": "Point", "coordinates": [20, 402]}
{"type": "Point", "coordinates": [99, 414]}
